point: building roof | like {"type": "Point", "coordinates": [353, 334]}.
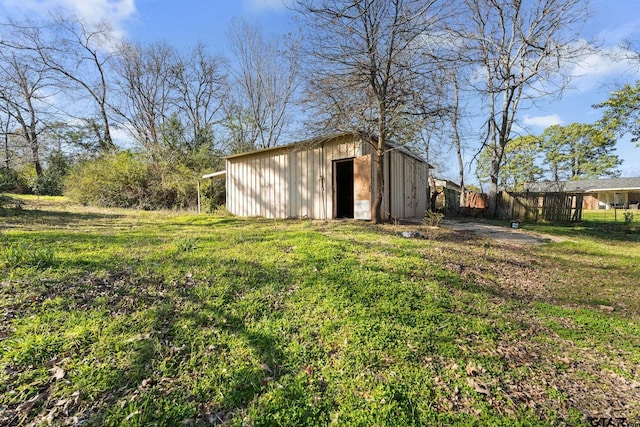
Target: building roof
{"type": "Point", "coordinates": [312, 142]}
{"type": "Point", "coordinates": [215, 174]}
{"type": "Point", "coordinates": [442, 182]}
{"type": "Point", "coordinates": [585, 185]}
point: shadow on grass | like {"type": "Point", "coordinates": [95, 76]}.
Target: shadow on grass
{"type": "Point", "coordinates": [23, 217]}
{"type": "Point", "coordinates": [514, 278]}
{"type": "Point", "coordinates": [607, 231]}
{"type": "Point", "coordinates": [139, 381]}
{"type": "Point", "coordinates": [181, 304]}
{"type": "Point", "coordinates": [231, 316]}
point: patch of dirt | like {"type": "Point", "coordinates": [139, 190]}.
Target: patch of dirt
{"type": "Point", "coordinates": [500, 234]}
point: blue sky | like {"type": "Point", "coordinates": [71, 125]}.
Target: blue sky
{"type": "Point", "coordinates": [187, 22]}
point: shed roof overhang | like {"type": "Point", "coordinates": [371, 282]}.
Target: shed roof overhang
{"type": "Point", "coordinates": [312, 142]}
{"type": "Point", "coordinates": [219, 174]}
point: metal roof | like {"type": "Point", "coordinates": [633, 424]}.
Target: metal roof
{"type": "Point", "coordinates": [312, 142]}
{"type": "Point", "coordinates": [215, 174]}
{"type": "Point", "coordinates": [586, 185]}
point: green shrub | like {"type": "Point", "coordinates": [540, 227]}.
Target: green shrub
{"type": "Point", "coordinates": [172, 185]}
{"type": "Point", "coordinates": [51, 182]}
{"type": "Point", "coordinates": [11, 181]}
{"type": "Point", "coordinates": [131, 180]}
{"type": "Point", "coordinates": [628, 217]}
{"type": "Point", "coordinates": [112, 180]}
{"type": "Point", "coordinates": [213, 194]}
{"type": "Point", "coordinates": [432, 218]}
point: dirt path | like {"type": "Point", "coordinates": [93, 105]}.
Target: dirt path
{"type": "Point", "coordinates": [501, 234]}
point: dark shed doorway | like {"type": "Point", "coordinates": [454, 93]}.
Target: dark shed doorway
{"type": "Point", "coordinates": [343, 184]}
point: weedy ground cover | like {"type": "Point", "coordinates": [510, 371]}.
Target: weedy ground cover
{"type": "Point", "coordinates": [125, 318]}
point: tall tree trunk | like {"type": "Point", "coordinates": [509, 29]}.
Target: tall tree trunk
{"type": "Point", "coordinates": [376, 208]}
{"type": "Point", "coordinates": [7, 152]}
{"type": "Point", "coordinates": [35, 156]}
{"type": "Point", "coordinates": [492, 209]}
{"type": "Point", "coordinates": [457, 140]}
{"type": "Point", "coordinates": [106, 143]}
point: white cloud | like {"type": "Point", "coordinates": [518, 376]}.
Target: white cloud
{"type": "Point", "coordinates": [114, 12]}
{"type": "Point", "coordinates": [598, 68]}
{"type": "Point", "coordinates": [263, 5]}
{"type": "Point", "coordinates": [123, 136]}
{"type": "Point", "coordinates": [542, 121]}
{"type": "Point", "coordinates": [616, 35]}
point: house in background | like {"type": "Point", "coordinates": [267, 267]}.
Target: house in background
{"type": "Point", "coordinates": [448, 196]}
{"type": "Point", "coordinates": [325, 178]}
{"type": "Point", "coordinates": [597, 193]}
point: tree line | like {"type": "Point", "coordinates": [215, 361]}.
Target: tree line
{"type": "Point", "coordinates": [67, 86]}
{"type": "Point", "coordinates": [119, 123]}
{"type": "Point", "coordinates": [560, 153]}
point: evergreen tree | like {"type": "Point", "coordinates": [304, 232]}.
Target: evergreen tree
{"type": "Point", "coordinates": [622, 112]}
{"type": "Point", "coordinates": [579, 151]}
{"type": "Point", "coordinates": [518, 166]}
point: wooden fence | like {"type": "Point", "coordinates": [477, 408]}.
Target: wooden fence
{"type": "Point", "coordinates": [474, 204]}
{"type": "Point", "coordinates": [448, 201]}
{"type": "Point", "coordinates": [552, 207]}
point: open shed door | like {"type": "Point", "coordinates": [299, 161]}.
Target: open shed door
{"type": "Point", "coordinates": [362, 187]}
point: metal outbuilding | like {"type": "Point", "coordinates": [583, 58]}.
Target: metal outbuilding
{"type": "Point", "coordinates": [325, 178]}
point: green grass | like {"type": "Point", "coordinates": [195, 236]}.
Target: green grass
{"type": "Point", "coordinates": [116, 317]}
{"type": "Point", "coordinates": [612, 215]}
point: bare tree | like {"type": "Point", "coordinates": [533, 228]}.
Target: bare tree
{"type": "Point", "coordinates": [77, 54]}
{"type": "Point", "coordinates": [457, 140]}
{"type": "Point", "coordinates": [457, 113]}
{"type": "Point", "coordinates": [6, 124]}
{"type": "Point", "coordinates": [200, 87]}
{"type": "Point", "coordinates": [433, 125]}
{"type": "Point", "coordinates": [242, 134]}
{"type": "Point", "coordinates": [368, 65]}
{"type": "Point", "coordinates": [145, 90]}
{"type": "Point", "coordinates": [521, 49]}
{"type": "Point", "coordinates": [169, 98]}
{"type": "Point", "coordinates": [265, 72]}
{"type": "Point", "coordinates": [24, 89]}
{"type": "Point", "coordinates": [81, 54]}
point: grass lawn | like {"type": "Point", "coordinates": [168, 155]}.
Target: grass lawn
{"type": "Point", "coordinates": [125, 318]}
{"type": "Point", "coordinates": [612, 215]}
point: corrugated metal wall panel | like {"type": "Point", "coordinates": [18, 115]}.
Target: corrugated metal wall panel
{"type": "Point", "coordinates": [313, 180]}
{"type": "Point", "coordinates": [409, 188]}
{"type": "Point", "coordinates": [386, 207]}
{"type": "Point", "coordinates": [299, 182]}
{"type": "Point", "coordinates": [396, 182]}
{"type": "Point", "coordinates": [422, 178]}
{"type": "Point", "coordinates": [229, 186]}
{"type": "Point", "coordinates": [304, 185]}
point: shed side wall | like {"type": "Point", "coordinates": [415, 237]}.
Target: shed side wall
{"type": "Point", "coordinates": [406, 184]}
{"type": "Point", "coordinates": [288, 182]}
